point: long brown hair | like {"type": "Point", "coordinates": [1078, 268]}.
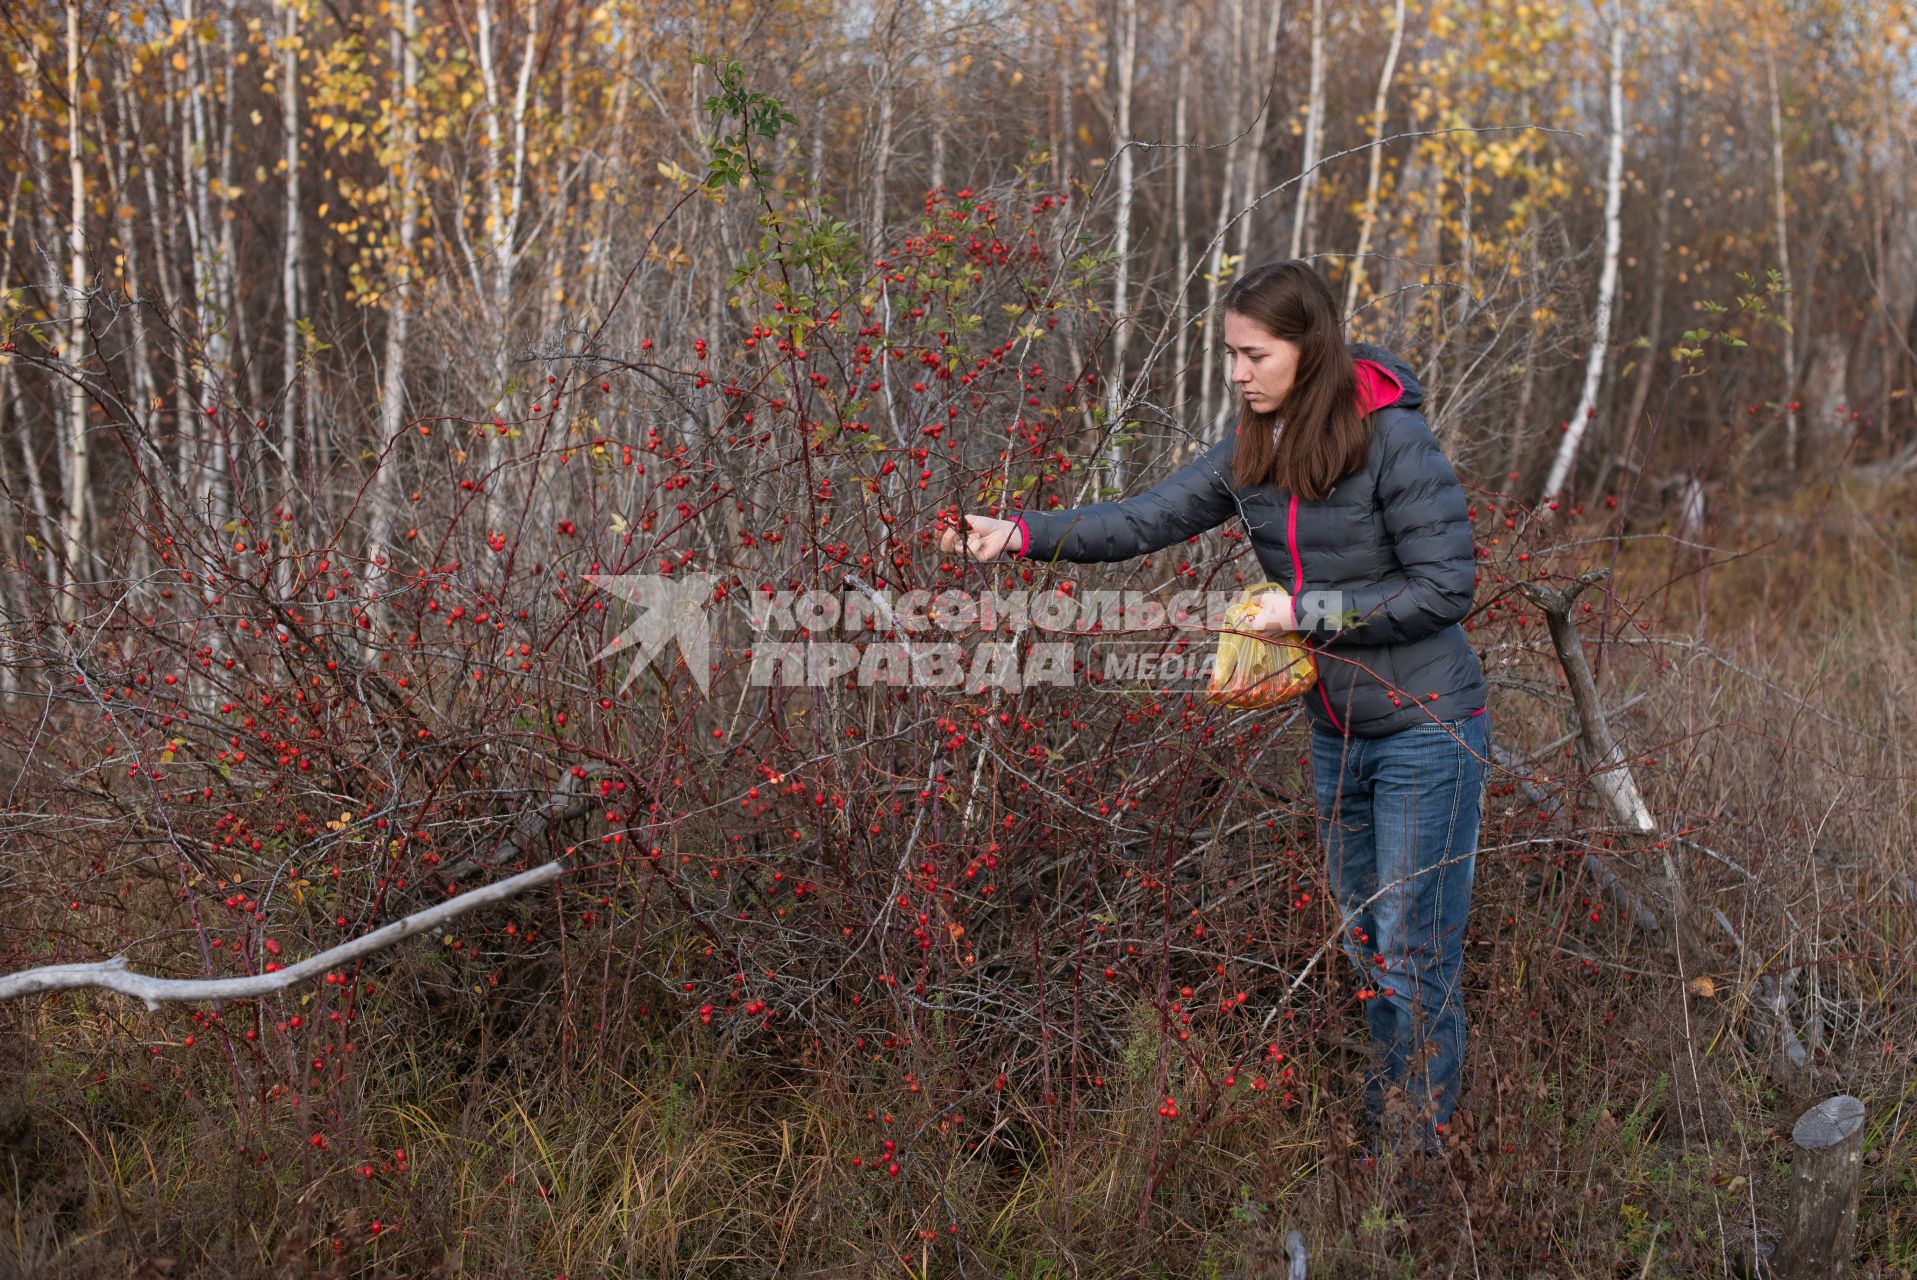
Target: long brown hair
{"type": "Point", "coordinates": [1323, 437]}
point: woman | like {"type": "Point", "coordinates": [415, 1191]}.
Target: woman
{"type": "Point", "coordinates": [1348, 498]}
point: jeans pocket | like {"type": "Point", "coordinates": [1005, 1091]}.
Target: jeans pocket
{"type": "Point", "coordinates": [1438, 726]}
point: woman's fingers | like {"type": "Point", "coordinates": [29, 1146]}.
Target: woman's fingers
{"type": "Point", "coordinates": [982, 538]}
{"type": "Point", "coordinates": [985, 539]}
{"type": "Point", "coordinates": [1274, 612]}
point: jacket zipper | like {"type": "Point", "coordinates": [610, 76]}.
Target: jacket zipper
{"type": "Point", "coordinates": [1298, 585]}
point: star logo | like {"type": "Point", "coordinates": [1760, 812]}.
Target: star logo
{"type": "Point", "coordinates": [670, 608]}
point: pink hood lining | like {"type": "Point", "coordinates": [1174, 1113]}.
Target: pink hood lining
{"type": "Point", "coordinates": [1376, 387]}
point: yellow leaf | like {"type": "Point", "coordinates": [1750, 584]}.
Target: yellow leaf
{"type": "Point", "coordinates": [179, 61]}
{"type": "Point", "coordinates": [1703, 987]}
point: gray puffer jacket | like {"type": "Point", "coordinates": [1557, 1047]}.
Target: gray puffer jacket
{"type": "Point", "coordinates": [1382, 568]}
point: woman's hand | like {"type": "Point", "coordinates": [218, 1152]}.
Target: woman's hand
{"type": "Point", "coordinates": [986, 538]}
{"type": "Point", "coordinates": [1274, 614]}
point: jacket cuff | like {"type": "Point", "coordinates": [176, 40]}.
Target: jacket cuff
{"type": "Point", "coordinates": [1024, 539]}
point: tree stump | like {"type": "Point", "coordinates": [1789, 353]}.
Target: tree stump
{"type": "Point", "coordinates": [1826, 1173]}
{"type": "Point", "coordinates": [1296, 1255]}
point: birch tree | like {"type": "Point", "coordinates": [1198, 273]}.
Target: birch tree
{"type": "Point", "coordinates": [392, 446]}
{"type": "Point", "coordinates": [1181, 204]}
{"type": "Point", "coordinates": [881, 166]}
{"type": "Point", "coordinates": [505, 199]}
{"type": "Point", "coordinates": [1368, 219]}
{"type": "Point", "coordinates": [79, 455]}
{"type": "Point", "coordinates": [1216, 269]}
{"type": "Point", "coordinates": [1314, 125]}
{"type": "Point", "coordinates": [203, 455]}
{"type": "Point", "coordinates": [1607, 279]}
{"type": "Point", "coordinates": [1782, 225]}
{"type": "Point", "coordinates": [289, 69]}
{"type": "Point", "coordinates": [1252, 172]}
{"type": "Point", "coordinates": [1121, 274]}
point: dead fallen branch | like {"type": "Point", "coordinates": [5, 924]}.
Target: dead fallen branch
{"type": "Point", "coordinates": [113, 975]}
{"type": "Point", "coordinates": [1611, 776]}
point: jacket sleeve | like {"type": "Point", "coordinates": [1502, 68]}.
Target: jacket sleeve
{"type": "Point", "coordinates": [1196, 497]}
{"type": "Point", "coordinates": [1426, 516]}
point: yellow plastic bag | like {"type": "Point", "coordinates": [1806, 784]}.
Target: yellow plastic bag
{"type": "Point", "coordinates": [1254, 671]}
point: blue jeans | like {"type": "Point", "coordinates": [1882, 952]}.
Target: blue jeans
{"type": "Point", "coordinates": [1398, 817]}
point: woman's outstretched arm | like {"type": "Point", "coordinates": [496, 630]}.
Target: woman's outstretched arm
{"type": "Point", "coordinates": [1196, 497]}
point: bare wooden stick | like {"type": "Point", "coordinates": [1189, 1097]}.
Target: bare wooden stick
{"type": "Point", "coordinates": [113, 975]}
{"type": "Point", "coordinates": [1612, 778]}
{"type": "Point", "coordinates": [1296, 1256]}
{"type": "Point", "coordinates": [1826, 1174]}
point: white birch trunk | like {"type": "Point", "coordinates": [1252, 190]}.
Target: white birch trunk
{"type": "Point", "coordinates": [39, 494]}
{"type": "Point", "coordinates": [392, 447]}
{"type": "Point", "coordinates": [1783, 265]}
{"type": "Point", "coordinates": [119, 159]}
{"type": "Point", "coordinates": [78, 447]}
{"type": "Point", "coordinates": [1354, 279]}
{"type": "Point", "coordinates": [938, 51]}
{"type": "Point", "coordinates": [1122, 241]}
{"type": "Point", "coordinates": [209, 462]}
{"type": "Point", "coordinates": [503, 205]}
{"type": "Point", "coordinates": [1607, 281]}
{"type": "Point", "coordinates": [881, 165]}
{"type": "Point", "coordinates": [1181, 212]}
{"type": "Point", "coordinates": [36, 493]}
{"type": "Point", "coordinates": [120, 168]}
{"type": "Point", "coordinates": [290, 261]}
{"type": "Point", "coordinates": [1068, 131]}
{"type": "Point", "coordinates": [1252, 172]}
{"type": "Point", "coordinates": [599, 287]}
{"type": "Point", "coordinates": [167, 275]}
{"type": "Point", "coordinates": [1314, 126]}
{"type": "Point", "coordinates": [1208, 351]}
{"type": "Point", "coordinates": [10, 540]}
{"type": "Point", "coordinates": [232, 306]}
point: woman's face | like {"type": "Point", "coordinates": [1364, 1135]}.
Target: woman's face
{"type": "Point", "coordinates": [1262, 365]}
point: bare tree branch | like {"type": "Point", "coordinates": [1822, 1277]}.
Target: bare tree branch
{"type": "Point", "coordinates": [113, 975]}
